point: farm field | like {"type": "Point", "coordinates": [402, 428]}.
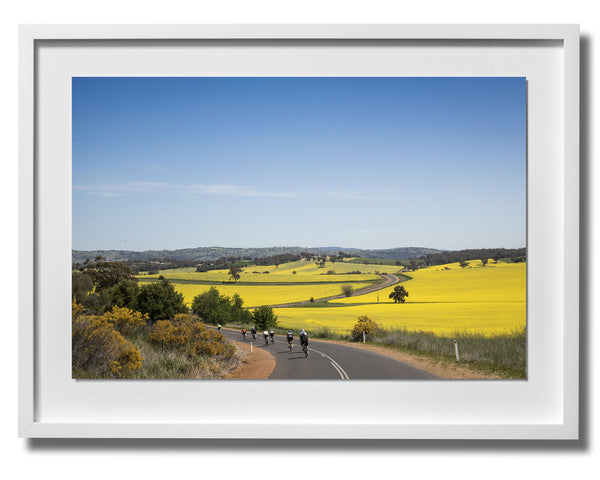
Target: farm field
{"type": "Point", "coordinates": [306, 272]}
{"type": "Point", "coordinates": [442, 299]}
{"type": "Point", "coordinates": [256, 295]}
{"type": "Point", "coordinates": [486, 300]}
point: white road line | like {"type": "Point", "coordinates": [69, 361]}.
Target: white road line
{"type": "Point", "coordinates": [336, 365]}
{"type": "Point", "coordinates": [338, 370]}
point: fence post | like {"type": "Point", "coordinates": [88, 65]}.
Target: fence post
{"type": "Point", "coordinates": [251, 349]}
{"type": "Point", "coordinates": [456, 349]}
{"type": "Point", "coordinates": [364, 337]}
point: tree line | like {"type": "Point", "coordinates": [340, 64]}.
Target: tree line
{"type": "Point", "coordinates": [99, 286]}
{"type": "Point", "coordinates": [515, 254]}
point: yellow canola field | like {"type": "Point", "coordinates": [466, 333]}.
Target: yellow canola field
{"type": "Point", "coordinates": [485, 300]}
{"type": "Point", "coordinates": [305, 272]}
{"type": "Point", "coordinates": [502, 282]}
{"type": "Point", "coordinates": [488, 318]}
{"type": "Point", "coordinates": [256, 295]}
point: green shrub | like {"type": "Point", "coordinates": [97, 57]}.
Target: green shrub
{"type": "Point", "coordinates": [264, 318]}
{"type": "Point", "coordinates": [347, 289]}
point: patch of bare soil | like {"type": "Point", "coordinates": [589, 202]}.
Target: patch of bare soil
{"type": "Point", "coordinates": [257, 365]}
{"type": "Point", "coordinates": [436, 367]}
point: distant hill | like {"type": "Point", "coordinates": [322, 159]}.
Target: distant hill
{"type": "Point", "coordinates": [202, 254]}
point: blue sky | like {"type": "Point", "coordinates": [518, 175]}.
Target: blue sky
{"type": "Point", "coordinates": [366, 162]}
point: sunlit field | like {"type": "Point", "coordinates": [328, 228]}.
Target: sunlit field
{"type": "Point", "coordinates": [501, 282]}
{"type": "Point", "coordinates": [256, 295]}
{"type": "Point", "coordinates": [284, 273]}
{"type": "Point", "coordinates": [484, 300]}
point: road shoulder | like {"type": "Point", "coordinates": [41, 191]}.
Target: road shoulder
{"type": "Point", "coordinates": [257, 365]}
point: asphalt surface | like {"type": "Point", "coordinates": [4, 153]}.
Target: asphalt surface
{"type": "Point", "coordinates": [330, 361]}
{"type": "Point", "coordinates": [389, 280]}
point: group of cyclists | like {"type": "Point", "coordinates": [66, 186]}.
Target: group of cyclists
{"type": "Point", "coordinates": [269, 334]}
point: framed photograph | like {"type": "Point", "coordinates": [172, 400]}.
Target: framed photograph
{"type": "Point", "coordinates": [299, 231]}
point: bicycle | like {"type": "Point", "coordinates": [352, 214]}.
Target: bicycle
{"type": "Point", "coordinates": [290, 345]}
{"type": "Point", "coordinates": [305, 350]}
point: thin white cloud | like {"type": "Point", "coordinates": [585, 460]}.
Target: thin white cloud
{"type": "Point", "coordinates": [116, 190]}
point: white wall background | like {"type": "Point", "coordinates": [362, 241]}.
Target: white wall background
{"type": "Point", "coordinates": [248, 459]}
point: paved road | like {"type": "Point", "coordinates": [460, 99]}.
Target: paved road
{"type": "Point", "coordinates": [388, 280]}
{"type": "Point", "coordinates": [329, 361]}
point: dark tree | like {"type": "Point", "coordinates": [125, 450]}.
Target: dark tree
{"type": "Point", "coordinates": [264, 318]}
{"type": "Point", "coordinates": [399, 294]}
{"type": "Point", "coordinates": [106, 274]}
{"type": "Point", "coordinates": [212, 307]}
{"type": "Point", "coordinates": [160, 300]}
{"type": "Point", "coordinates": [463, 264]}
{"type": "Point", "coordinates": [82, 285]}
{"type": "Point", "coordinates": [238, 313]}
{"type": "Point", "coordinates": [123, 294]}
{"type": "Point", "coordinates": [234, 273]}
{"type": "Point", "coordinates": [484, 261]}
{"type": "Point", "coordinates": [412, 266]}
{"type": "Point", "coordinates": [347, 289]}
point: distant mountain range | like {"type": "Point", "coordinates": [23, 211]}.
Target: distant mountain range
{"type": "Point", "coordinates": [201, 254]}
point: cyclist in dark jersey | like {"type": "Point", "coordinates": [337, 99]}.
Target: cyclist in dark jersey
{"type": "Point", "coordinates": [303, 337]}
{"type": "Point", "coordinates": [304, 341]}
{"type": "Point", "coordinates": [290, 338]}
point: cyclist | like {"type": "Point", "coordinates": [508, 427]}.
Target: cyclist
{"type": "Point", "coordinates": [219, 327]}
{"type": "Point", "coordinates": [266, 334]}
{"type": "Point", "coordinates": [290, 339]}
{"type": "Point", "coordinates": [304, 341]}
{"type": "Point", "coordinates": [272, 335]}
{"type": "Point", "coordinates": [243, 334]}
{"type": "Point", "coordinates": [253, 330]}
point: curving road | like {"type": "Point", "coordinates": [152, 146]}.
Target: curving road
{"type": "Point", "coordinates": [388, 280]}
{"type": "Point", "coordinates": [330, 361]}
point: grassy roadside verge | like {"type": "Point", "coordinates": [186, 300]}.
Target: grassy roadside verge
{"type": "Point", "coordinates": [501, 355]}
{"type": "Point", "coordinates": [167, 363]}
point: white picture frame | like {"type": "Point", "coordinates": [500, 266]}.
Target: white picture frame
{"type": "Point", "coordinates": [545, 406]}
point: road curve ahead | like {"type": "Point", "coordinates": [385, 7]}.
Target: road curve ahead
{"type": "Point", "coordinates": [331, 361]}
{"type": "Point", "coordinates": [388, 280]}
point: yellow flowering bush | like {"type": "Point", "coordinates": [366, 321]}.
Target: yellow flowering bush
{"type": "Point", "coordinates": [125, 320]}
{"type": "Point", "coordinates": [186, 333]}
{"type": "Point", "coordinates": [364, 324]}
{"type": "Point", "coordinates": [98, 350]}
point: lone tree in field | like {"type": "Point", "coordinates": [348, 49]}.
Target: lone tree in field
{"type": "Point", "coordinates": [234, 273]}
{"type": "Point", "coordinates": [484, 261]}
{"type": "Point", "coordinates": [347, 289]}
{"type": "Point", "coordinates": [399, 294]}
{"type": "Point", "coordinates": [464, 264]}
